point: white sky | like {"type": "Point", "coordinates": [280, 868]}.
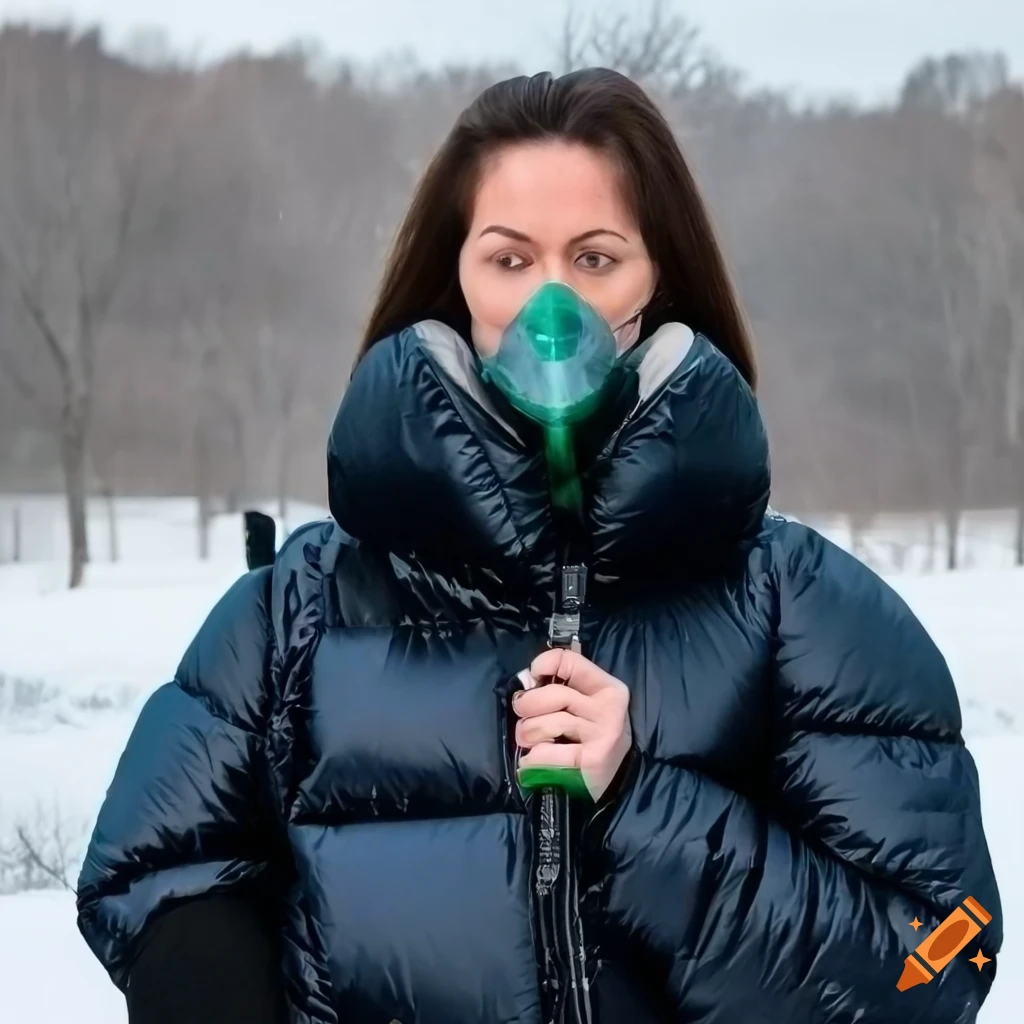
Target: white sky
{"type": "Point", "coordinates": [858, 48]}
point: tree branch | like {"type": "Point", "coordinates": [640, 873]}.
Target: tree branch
{"type": "Point", "coordinates": [28, 391]}
{"type": "Point", "coordinates": [36, 313]}
{"type": "Point", "coordinates": [57, 872]}
{"type": "Point", "coordinates": [110, 279]}
{"type": "Point", "coordinates": [660, 49]}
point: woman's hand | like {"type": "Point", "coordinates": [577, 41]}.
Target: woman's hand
{"type": "Point", "coordinates": [589, 710]}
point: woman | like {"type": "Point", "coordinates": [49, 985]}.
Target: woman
{"type": "Point", "coordinates": [772, 793]}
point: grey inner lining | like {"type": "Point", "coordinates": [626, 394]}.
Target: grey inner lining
{"type": "Point", "coordinates": [668, 347]}
{"type": "Point", "coordinates": [455, 358]}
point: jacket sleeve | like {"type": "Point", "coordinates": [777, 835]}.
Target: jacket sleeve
{"type": "Point", "coordinates": [186, 813]}
{"type": "Point", "coordinates": [803, 910]}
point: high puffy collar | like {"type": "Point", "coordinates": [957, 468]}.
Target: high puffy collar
{"type": "Point", "coordinates": [423, 464]}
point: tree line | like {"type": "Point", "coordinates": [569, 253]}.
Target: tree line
{"type": "Point", "coordinates": [188, 253]}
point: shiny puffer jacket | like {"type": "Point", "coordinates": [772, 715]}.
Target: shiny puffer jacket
{"type": "Point", "coordinates": [337, 738]}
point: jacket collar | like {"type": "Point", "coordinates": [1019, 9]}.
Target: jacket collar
{"type": "Point", "coordinates": [424, 463]}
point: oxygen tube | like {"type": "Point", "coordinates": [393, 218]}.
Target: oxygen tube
{"type": "Point", "coordinates": [554, 365]}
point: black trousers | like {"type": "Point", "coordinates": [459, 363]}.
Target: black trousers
{"type": "Point", "coordinates": [208, 961]}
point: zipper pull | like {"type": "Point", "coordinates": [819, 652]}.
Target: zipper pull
{"type": "Point", "coordinates": [564, 629]}
{"type": "Point", "coordinates": [574, 587]}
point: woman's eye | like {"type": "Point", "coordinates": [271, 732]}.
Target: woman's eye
{"type": "Point", "coordinates": [508, 261]}
{"type": "Point", "coordinates": [595, 260]}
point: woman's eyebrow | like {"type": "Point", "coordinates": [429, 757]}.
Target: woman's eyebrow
{"type": "Point", "coordinates": [499, 229]}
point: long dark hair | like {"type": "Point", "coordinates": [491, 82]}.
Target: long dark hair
{"type": "Point", "coordinates": [595, 107]}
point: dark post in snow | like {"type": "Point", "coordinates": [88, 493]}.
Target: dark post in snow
{"type": "Point", "coordinates": [260, 539]}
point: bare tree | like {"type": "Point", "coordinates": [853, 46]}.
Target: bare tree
{"type": "Point", "coordinates": [274, 244]}
{"type": "Point", "coordinates": [202, 343]}
{"type": "Point", "coordinates": [40, 852]}
{"type": "Point", "coordinates": [655, 47]}
{"type": "Point", "coordinates": [999, 181]}
{"type": "Point", "coordinates": [962, 334]}
{"type": "Point", "coordinates": [956, 83]}
{"type": "Point", "coordinates": [940, 113]}
{"type": "Point", "coordinates": [70, 139]}
{"type": "Point", "coordinates": [278, 379]}
{"type": "Point", "coordinates": [662, 51]}
{"type": "Point", "coordinates": [947, 397]}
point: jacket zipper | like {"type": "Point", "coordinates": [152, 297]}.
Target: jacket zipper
{"type": "Point", "coordinates": [560, 930]}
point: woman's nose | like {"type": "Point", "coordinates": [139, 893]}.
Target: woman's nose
{"type": "Point", "coordinates": [555, 279]}
{"type": "Point", "coordinates": [556, 270]}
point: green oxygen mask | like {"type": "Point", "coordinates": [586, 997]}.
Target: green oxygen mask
{"type": "Point", "coordinates": [554, 363]}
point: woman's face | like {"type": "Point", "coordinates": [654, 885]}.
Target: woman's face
{"type": "Point", "coordinates": [551, 211]}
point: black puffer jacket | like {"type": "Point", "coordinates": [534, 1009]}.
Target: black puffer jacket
{"type": "Point", "coordinates": [337, 737]}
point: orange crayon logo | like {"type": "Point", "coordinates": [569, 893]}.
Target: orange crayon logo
{"type": "Point", "coordinates": [942, 944]}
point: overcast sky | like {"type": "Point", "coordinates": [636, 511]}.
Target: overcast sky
{"type": "Point", "coordinates": [858, 48]}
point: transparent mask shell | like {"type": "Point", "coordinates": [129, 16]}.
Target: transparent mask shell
{"type": "Point", "coordinates": [555, 358]}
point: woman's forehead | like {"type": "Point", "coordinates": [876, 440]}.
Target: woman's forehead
{"type": "Point", "coordinates": [550, 188]}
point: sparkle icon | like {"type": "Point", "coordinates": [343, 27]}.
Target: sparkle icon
{"type": "Point", "coordinates": [915, 924]}
{"type": "Point", "coordinates": [980, 960]}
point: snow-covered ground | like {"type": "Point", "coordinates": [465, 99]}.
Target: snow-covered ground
{"type": "Point", "coordinates": [75, 667]}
